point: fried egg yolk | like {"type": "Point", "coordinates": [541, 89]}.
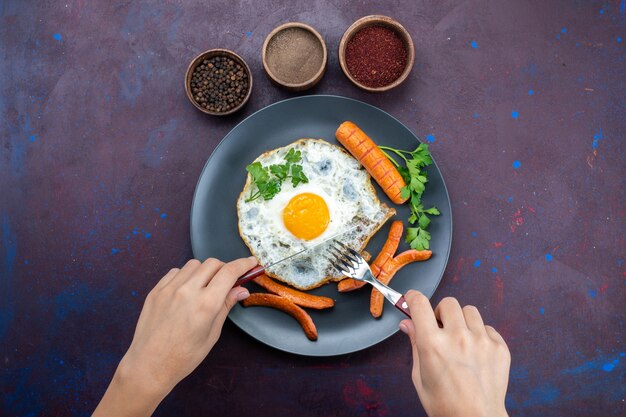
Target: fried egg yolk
{"type": "Point", "coordinates": [306, 216]}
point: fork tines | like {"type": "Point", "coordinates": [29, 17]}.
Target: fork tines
{"type": "Point", "coordinates": [345, 259]}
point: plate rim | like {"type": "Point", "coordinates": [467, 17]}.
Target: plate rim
{"type": "Point", "coordinates": [305, 97]}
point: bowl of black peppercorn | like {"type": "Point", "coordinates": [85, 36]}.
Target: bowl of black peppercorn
{"type": "Point", "coordinates": [218, 82]}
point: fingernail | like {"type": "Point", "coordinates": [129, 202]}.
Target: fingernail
{"type": "Point", "coordinates": [403, 327]}
{"type": "Point", "coordinates": [252, 258]}
{"type": "Point", "coordinates": [243, 294]}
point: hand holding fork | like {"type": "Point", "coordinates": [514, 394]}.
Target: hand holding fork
{"type": "Point", "coordinates": [350, 263]}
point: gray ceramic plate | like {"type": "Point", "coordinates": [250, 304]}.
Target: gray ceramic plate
{"type": "Point", "coordinates": [347, 327]}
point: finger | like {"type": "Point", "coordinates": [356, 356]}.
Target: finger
{"type": "Point", "coordinates": [407, 327]}
{"type": "Point", "coordinates": [202, 276]}
{"type": "Point", "coordinates": [473, 320]}
{"type": "Point", "coordinates": [233, 297]}
{"type": "Point", "coordinates": [422, 314]}
{"type": "Point", "coordinates": [167, 278]}
{"type": "Point", "coordinates": [449, 313]}
{"type": "Point", "coordinates": [225, 278]}
{"type": "Point", "coordinates": [494, 335]}
{"type": "Point", "coordinates": [185, 272]}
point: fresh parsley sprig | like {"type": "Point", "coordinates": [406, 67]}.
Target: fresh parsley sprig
{"type": "Point", "coordinates": [268, 181]}
{"type": "Point", "coordinates": [416, 179]}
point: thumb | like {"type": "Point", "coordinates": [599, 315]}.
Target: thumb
{"type": "Point", "coordinates": [408, 328]}
{"type": "Point", "coordinates": [235, 295]}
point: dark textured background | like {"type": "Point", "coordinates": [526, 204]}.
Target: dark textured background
{"type": "Point", "coordinates": [523, 103]}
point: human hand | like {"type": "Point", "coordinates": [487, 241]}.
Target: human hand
{"type": "Point", "coordinates": [180, 322]}
{"type": "Point", "coordinates": [461, 369]}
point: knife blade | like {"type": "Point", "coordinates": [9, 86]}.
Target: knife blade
{"type": "Point", "coordinates": [260, 270]}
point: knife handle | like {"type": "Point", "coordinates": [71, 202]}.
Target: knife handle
{"type": "Point", "coordinates": [250, 275]}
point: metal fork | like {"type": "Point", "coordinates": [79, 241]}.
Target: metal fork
{"type": "Point", "coordinates": [351, 264]}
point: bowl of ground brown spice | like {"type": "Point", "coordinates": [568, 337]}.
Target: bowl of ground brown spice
{"type": "Point", "coordinates": [294, 56]}
{"type": "Point", "coordinates": [218, 82]}
{"type": "Point", "coordinates": [376, 53]}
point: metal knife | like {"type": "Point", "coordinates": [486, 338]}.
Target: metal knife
{"type": "Point", "coordinates": [260, 270]}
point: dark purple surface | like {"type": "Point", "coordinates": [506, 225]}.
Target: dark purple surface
{"type": "Point", "coordinates": [522, 102]}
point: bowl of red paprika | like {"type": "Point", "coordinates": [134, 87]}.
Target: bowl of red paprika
{"type": "Point", "coordinates": [376, 53]}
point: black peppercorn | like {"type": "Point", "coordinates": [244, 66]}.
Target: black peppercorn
{"type": "Point", "coordinates": [219, 84]}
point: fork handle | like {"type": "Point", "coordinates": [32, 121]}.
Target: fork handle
{"type": "Point", "coordinates": [402, 305]}
{"type": "Point", "coordinates": [390, 294]}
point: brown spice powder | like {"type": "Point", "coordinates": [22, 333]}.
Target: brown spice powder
{"type": "Point", "coordinates": [294, 55]}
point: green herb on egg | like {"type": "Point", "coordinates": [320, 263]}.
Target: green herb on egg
{"type": "Point", "coordinates": [416, 179]}
{"type": "Point", "coordinates": [269, 181]}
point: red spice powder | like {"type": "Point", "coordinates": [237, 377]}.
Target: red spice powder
{"type": "Point", "coordinates": [376, 56]}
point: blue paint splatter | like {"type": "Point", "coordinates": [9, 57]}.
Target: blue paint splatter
{"type": "Point", "coordinates": [477, 263]}
{"type": "Point", "coordinates": [592, 293]}
{"type": "Point", "coordinates": [548, 257]}
{"type": "Point", "coordinates": [542, 311]}
{"type": "Point", "coordinates": [476, 116]}
{"type": "Point", "coordinates": [563, 30]}
{"type": "Point", "coordinates": [507, 257]}
{"type": "Point", "coordinates": [25, 261]}
{"type": "Point", "coordinates": [510, 199]}
{"type": "Point", "coordinates": [248, 34]}
{"type": "Point", "coordinates": [32, 138]}
{"type": "Point", "coordinates": [58, 37]}
{"type": "Point", "coordinates": [608, 367]}
{"type": "Point", "coordinates": [601, 11]}
{"type": "Point", "coordinates": [133, 293]}
{"type": "Point", "coordinates": [148, 235]}
{"type": "Point", "coordinates": [619, 39]}
{"type": "Point", "coordinates": [596, 139]}
{"type": "Point", "coordinates": [494, 269]}
{"type": "Point", "coordinates": [163, 215]}
{"type": "Point", "coordinates": [134, 231]}
{"type": "Point", "coordinates": [606, 364]}
{"type": "Point", "coordinates": [114, 251]}
{"type": "Point", "coordinates": [474, 44]}
{"type": "Point", "coordinates": [474, 234]}
{"type": "Point", "coordinates": [430, 138]}
{"type": "Point", "coordinates": [531, 92]}
{"type": "Point", "coordinates": [515, 114]}
{"type": "Point", "coordinates": [622, 7]}
{"type": "Point", "coordinates": [517, 164]}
